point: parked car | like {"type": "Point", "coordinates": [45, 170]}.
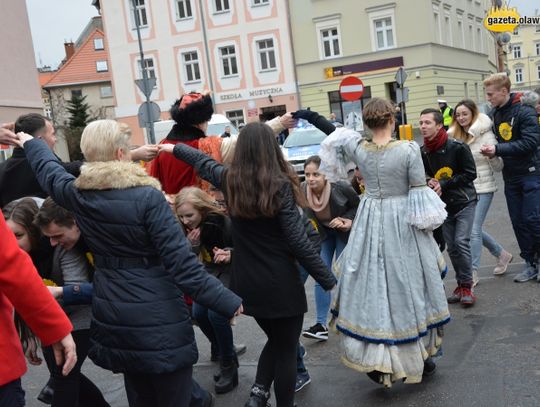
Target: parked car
{"type": "Point", "coordinates": [302, 142]}
{"type": "Point", "coordinates": [216, 127]}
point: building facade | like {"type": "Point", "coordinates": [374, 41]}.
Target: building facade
{"type": "Point", "coordinates": [85, 72]}
{"type": "Point", "coordinates": [524, 57]}
{"type": "Point", "coordinates": [443, 46]}
{"type": "Point", "coordinates": [20, 91]}
{"type": "Point", "coordinates": [238, 49]}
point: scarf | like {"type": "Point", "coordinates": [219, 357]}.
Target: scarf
{"type": "Point", "coordinates": [436, 142]}
{"type": "Point", "coordinates": [319, 204]}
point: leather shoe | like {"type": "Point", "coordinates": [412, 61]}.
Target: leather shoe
{"type": "Point", "coordinates": [46, 393]}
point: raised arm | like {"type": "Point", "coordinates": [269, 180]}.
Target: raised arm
{"type": "Point", "coordinates": [207, 168]}
{"type": "Point", "coordinates": [297, 239]}
{"type": "Point", "coordinates": [51, 175]}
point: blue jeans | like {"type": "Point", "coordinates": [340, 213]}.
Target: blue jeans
{"type": "Point", "coordinates": [523, 200]}
{"type": "Point", "coordinates": [12, 394]}
{"type": "Point", "coordinates": [457, 234]}
{"type": "Point", "coordinates": [333, 244]}
{"type": "Point", "coordinates": [478, 236]}
{"type": "Point", "coordinates": [217, 329]}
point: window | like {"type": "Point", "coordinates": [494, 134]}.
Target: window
{"type": "Point", "coordinates": [139, 12]}
{"type": "Point", "coordinates": [236, 117]}
{"type": "Point", "coordinates": [330, 42]}
{"type": "Point", "coordinates": [260, 2]}
{"type": "Point", "coordinates": [471, 36]}
{"type": "Point", "coordinates": [448, 27]}
{"type": "Point", "coordinates": [221, 6]}
{"type": "Point", "coordinates": [101, 66]}
{"type": "Point", "coordinates": [228, 60]}
{"type": "Point", "coordinates": [384, 33]}
{"type": "Point", "coordinates": [538, 48]}
{"type": "Point", "coordinates": [76, 93]}
{"type": "Point", "coordinates": [342, 108]}
{"type": "Point", "coordinates": [183, 9]}
{"type": "Point", "coordinates": [105, 92]}
{"type": "Point", "coordinates": [516, 51]}
{"type": "Point", "coordinates": [480, 42]}
{"type": "Point", "coordinates": [266, 53]}
{"type": "Point", "coordinates": [191, 64]}
{"type": "Point", "coordinates": [149, 66]}
{"type": "Point", "coordinates": [437, 25]}
{"type": "Point", "coordinates": [519, 75]}
{"type": "Point", "coordinates": [462, 33]}
{"type": "Point", "coordinates": [538, 72]}
{"type": "Point", "coordinates": [98, 44]}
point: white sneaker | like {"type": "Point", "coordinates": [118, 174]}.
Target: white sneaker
{"type": "Point", "coordinates": [475, 278]}
{"type": "Point", "coordinates": [503, 261]}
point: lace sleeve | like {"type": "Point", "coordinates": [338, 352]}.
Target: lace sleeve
{"type": "Point", "coordinates": [337, 150]}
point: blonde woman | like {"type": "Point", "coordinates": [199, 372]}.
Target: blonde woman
{"type": "Point", "coordinates": [474, 128]}
{"type": "Point", "coordinates": [209, 230]}
{"type": "Point", "coordinates": [143, 265]}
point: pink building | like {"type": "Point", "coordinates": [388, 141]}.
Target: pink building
{"type": "Point", "coordinates": [238, 49]}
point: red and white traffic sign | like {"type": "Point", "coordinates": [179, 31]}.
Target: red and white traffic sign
{"type": "Point", "coordinates": [351, 88]}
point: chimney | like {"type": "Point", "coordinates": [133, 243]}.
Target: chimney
{"type": "Point", "coordinates": [69, 47]}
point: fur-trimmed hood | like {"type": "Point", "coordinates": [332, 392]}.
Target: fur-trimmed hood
{"type": "Point", "coordinates": [114, 175]}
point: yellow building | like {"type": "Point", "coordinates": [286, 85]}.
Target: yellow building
{"type": "Point", "coordinates": [524, 57]}
{"type": "Point", "coordinates": [443, 46]}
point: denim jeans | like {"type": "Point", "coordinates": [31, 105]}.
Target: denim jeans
{"type": "Point", "coordinates": [217, 329]}
{"type": "Point", "coordinates": [457, 234]}
{"type": "Point", "coordinates": [333, 244]}
{"type": "Point", "coordinates": [523, 200]}
{"type": "Point", "coordinates": [479, 237]}
{"type": "Point", "coordinates": [12, 394]}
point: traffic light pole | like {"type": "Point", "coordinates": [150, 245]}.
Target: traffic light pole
{"type": "Point", "coordinates": [147, 91]}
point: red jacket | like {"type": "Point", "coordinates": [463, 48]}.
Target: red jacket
{"type": "Point", "coordinates": [21, 285]}
{"type": "Point", "coordinates": [173, 173]}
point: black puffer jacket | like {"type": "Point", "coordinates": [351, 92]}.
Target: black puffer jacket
{"type": "Point", "coordinates": [143, 263]}
{"type": "Point", "coordinates": [518, 134]}
{"type": "Point", "coordinates": [17, 179]}
{"type": "Point", "coordinates": [453, 165]}
{"type": "Point", "coordinates": [265, 272]}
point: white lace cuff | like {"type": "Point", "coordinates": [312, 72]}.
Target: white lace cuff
{"type": "Point", "coordinates": [425, 209]}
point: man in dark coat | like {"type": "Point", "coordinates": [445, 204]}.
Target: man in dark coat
{"type": "Point", "coordinates": [518, 134]}
{"type": "Point", "coordinates": [143, 265]}
{"type": "Point", "coordinates": [450, 168]}
{"type": "Point", "coordinates": [17, 179]}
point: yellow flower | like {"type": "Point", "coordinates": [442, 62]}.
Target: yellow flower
{"type": "Point", "coordinates": [505, 130]}
{"type": "Point", "coordinates": [49, 283]}
{"type": "Point", "coordinates": [444, 173]}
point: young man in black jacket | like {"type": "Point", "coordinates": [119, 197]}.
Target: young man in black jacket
{"type": "Point", "coordinates": [451, 170]}
{"type": "Point", "coordinates": [518, 134]}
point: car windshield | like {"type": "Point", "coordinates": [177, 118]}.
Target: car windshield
{"type": "Point", "coordinates": [304, 137]}
{"type": "Point", "coordinates": [217, 129]}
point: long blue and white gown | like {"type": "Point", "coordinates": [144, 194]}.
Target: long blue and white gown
{"type": "Point", "coordinates": [390, 298]}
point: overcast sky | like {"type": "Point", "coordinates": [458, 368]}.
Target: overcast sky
{"type": "Point", "coordinates": [56, 21]}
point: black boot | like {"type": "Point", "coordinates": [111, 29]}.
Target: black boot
{"type": "Point", "coordinates": [228, 377]}
{"type": "Point", "coordinates": [258, 397]}
{"type": "Point", "coordinates": [46, 393]}
{"type": "Point", "coordinates": [376, 376]}
{"type": "Point", "coordinates": [429, 367]}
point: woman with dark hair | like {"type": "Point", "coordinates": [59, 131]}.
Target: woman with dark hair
{"type": "Point", "coordinates": [333, 206]}
{"type": "Point", "coordinates": [262, 193]}
{"type": "Point", "coordinates": [474, 129]}
{"type": "Point", "coordinates": [390, 294]}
